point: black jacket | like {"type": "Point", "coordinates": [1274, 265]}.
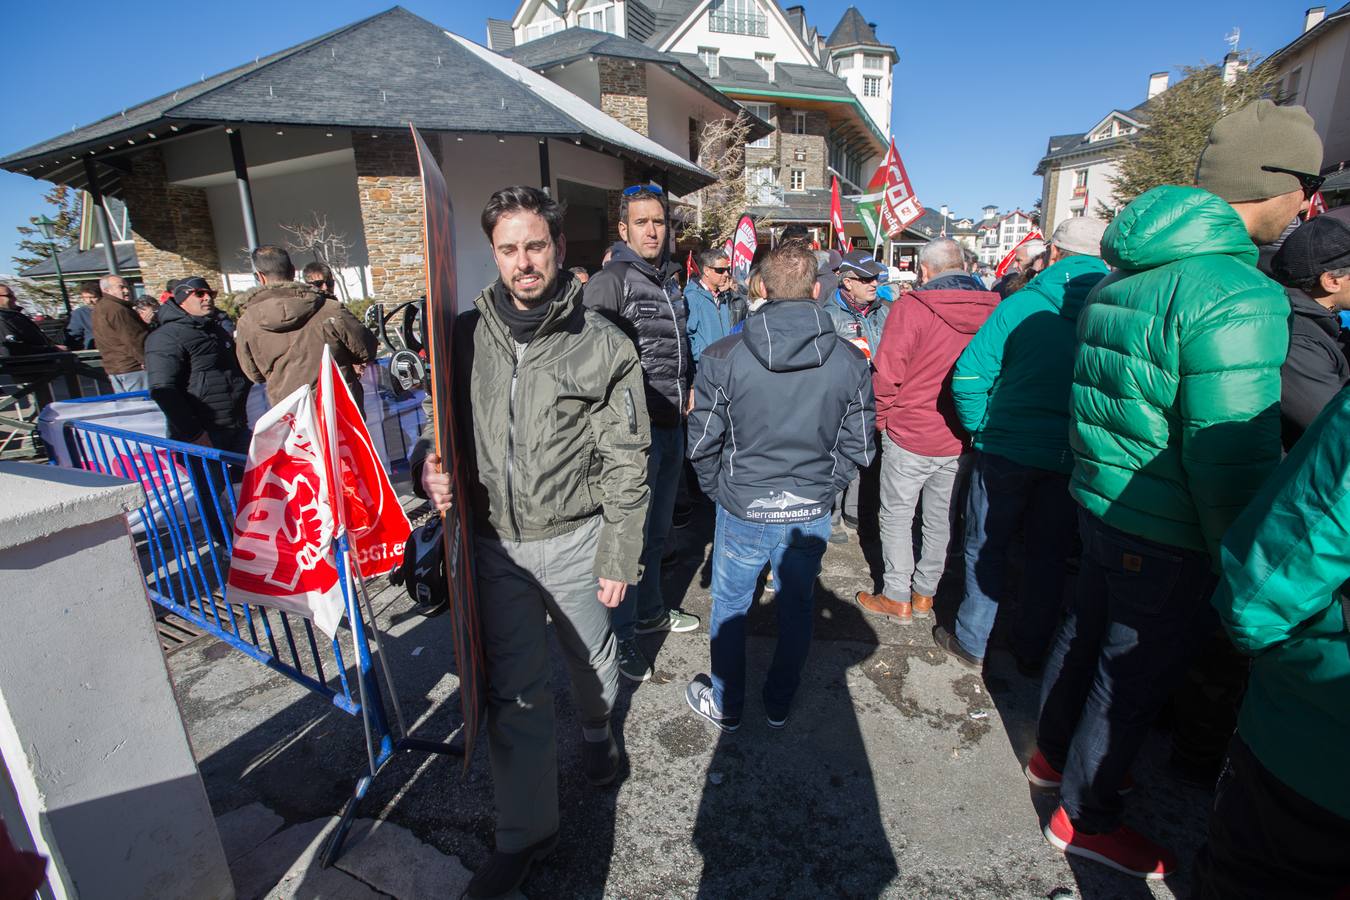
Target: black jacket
{"type": "Point", "coordinates": [20, 336]}
{"type": "Point", "coordinates": [194, 375]}
{"type": "Point", "coordinates": [1315, 369]}
{"type": "Point", "coordinates": [783, 415]}
{"type": "Point", "coordinates": [646, 302]}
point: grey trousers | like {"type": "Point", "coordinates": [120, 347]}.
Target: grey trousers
{"type": "Point", "coordinates": [518, 585]}
{"type": "Point", "coordinates": [905, 478]}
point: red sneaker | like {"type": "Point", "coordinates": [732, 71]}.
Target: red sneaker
{"type": "Point", "coordinates": [1041, 774]}
{"type": "Point", "coordinates": [1124, 849]}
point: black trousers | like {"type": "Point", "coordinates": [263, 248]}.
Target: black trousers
{"type": "Point", "coordinates": [1268, 841]}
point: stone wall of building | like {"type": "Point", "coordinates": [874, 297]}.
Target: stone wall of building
{"type": "Point", "coordinates": [171, 225]}
{"type": "Point", "coordinates": [389, 188]}
{"type": "Point", "coordinates": [623, 91]}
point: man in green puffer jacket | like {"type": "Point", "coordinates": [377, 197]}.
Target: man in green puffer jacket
{"type": "Point", "coordinates": [1011, 388]}
{"type": "Point", "coordinates": [1175, 425]}
{"type": "Point", "coordinates": [1281, 820]}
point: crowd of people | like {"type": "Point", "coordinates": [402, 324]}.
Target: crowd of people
{"type": "Point", "coordinates": [1161, 400]}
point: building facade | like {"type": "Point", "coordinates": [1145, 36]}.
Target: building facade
{"type": "Point", "coordinates": [1313, 71]}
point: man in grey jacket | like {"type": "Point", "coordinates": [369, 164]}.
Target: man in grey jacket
{"type": "Point", "coordinates": [549, 405]}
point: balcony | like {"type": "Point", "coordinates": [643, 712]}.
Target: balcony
{"type": "Point", "coordinates": [732, 23]}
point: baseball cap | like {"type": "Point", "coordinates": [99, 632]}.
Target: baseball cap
{"type": "Point", "coordinates": [860, 264]}
{"type": "Point", "coordinates": [1318, 245]}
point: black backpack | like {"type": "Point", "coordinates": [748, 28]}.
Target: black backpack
{"type": "Point", "coordinates": [422, 572]}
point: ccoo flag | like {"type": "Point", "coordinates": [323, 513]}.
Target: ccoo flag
{"type": "Point", "coordinates": [284, 533]}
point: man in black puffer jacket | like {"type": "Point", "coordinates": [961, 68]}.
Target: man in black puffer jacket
{"type": "Point", "coordinates": [638, 292]}
{"type": "Point", "coordinates": [193, 374]}
{"type": "Point", "coordinates": [783, 417]}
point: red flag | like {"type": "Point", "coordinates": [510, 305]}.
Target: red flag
{"type": "Point", "coordinates": [1317, 205]}
{"type": "Point", "coordinates": [899, 207]}
{"type": "Point", "coordinates": [743, 249]}
{"type": "Point", "coordinates": [1007, 260]}
{"type": "Point", "coordinates": [367, 506]}
{"type": "Point", "coordinates": [837, 216]}
{"type": "Point", "coordinates": [285, 530]}
{"type": "Point", "coordinates": [690, 268]}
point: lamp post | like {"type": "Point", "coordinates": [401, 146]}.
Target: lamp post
{"type": "Point", "coordinates": [48, 228]}
{"type": "Point", "coordinates": [943, 209]}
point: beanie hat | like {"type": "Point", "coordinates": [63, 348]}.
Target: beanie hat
{"type": "Point", "coordinates": [1259, 134]}
{"type": "Point", "coordinates": [1318, 245]}
{"type": "Point", "coordinates": [1082, 234]}
{"type": "Point", "coordinates": [187, 286]}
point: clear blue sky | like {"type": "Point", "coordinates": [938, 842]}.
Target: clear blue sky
{"type": "Point", "coordinates": [979, 88]}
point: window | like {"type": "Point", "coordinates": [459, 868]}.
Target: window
{"type": "Point", "coordinates": [600, 18]}
{"type": "Point", "coordinates": [765, 62]}
{"type": "Point", "coordinates": [1080, 182]}
{"type": "Point", "coordinates": [798, 122]}
{"type": "Point", "coordinates": [762, 184]}
{"type": "Point", "coordinates": [765, 112]}
{"type": "Point", "coordinates": [871, 85]}
{"type": "Point", "coordinates": [710, 58]}
{"type": "Point", "coordinates": [542, 29]}
{"type": "Point", "coordinates": [737, 17]}
{"type": "Point", "coordinates": [797, 180]}
{"type": "Point", "coordinates": [874, 62]}
{"type": "Point", "coordinates": [1291, 86]}
{"type": "Point", "coordinates": [843, 64]}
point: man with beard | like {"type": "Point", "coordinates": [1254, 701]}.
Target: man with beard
{"type": "Point", "coordinates": [549, 404]}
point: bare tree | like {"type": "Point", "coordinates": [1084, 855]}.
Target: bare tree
{"type": "Point", "coordinates": [719, 206]}
{"type": "Point", "coordinates": [325, 245]}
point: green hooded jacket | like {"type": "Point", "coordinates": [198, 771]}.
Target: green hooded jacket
{"type": "Point", "coordinates": [558, 430]}
{"type": "Point", "coordinates": [1176, 386]}
{"type": "Point", "coordinates": [1011, 385]}
{"type": "Point", "coordinates": [1285, 562]}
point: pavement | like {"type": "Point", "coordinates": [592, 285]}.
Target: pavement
{"type": "Point", "coordinates": [898, 774]}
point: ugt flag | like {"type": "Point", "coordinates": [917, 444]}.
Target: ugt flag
{"type": "Point", "coordinates": [1007, 261]}
{"type": "Point", "coordinates": [285, 529]}
{"type": "Point", "coordinates": [837, 217]}
{"type": "Point", "coordinates": [368, 508]}
{"type": "Point", "coordinates": [743, 249]}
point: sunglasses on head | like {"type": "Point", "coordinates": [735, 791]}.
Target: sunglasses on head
{"type": "Point", "coordinates": [639, 188]}
{"type": "Point", "coordinates": [1310, 183]}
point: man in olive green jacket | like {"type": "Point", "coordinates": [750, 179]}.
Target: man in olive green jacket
{"type": "Point", "coordinates": [1281, 820]}
{"type": "Point", "coordinates": [1175, 424]}
{"type": "Point", "coordinates": [553, 420]}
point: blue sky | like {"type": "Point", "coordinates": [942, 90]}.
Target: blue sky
{"type": "Point", "coordinates": [979, 88]}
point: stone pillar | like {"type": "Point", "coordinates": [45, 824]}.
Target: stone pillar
{"type": "Point", "coordinates": [171, 225]}
{"type": "Point", "coordinates": [96, 758]}
{"type": "Point", "coordinates": [389, 186]}
{"type": "Point", "coordinates": [623, 91]}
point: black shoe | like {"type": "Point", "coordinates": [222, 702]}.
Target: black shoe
{"type": "Point", "coordinates": [600, 761]}
{"type": "Point", "coordinates": [504, 872]}
{"type": "Point", "coordinates": [948, 642]}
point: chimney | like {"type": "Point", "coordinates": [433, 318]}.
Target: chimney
{"type": "Point", "coordinates": [1232, 65]}
{"type": "Point", "coordinates": [1313, 17]}
{"type": "Point", "coordinates": [1157, 83]}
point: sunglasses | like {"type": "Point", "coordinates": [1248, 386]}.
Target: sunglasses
{"type": "Point", "coordinates": [640, 188]}
{"type": "Point", "coordinates": [321, 282]}
{"type": "Point", "coordinates": [720, 270]}
{"type": "Point", "coordinates": [200, 293]}
{"type": "Point", "coordinates": [1310, 183]}
{"type": "Point", "coordinates": [864, 279]}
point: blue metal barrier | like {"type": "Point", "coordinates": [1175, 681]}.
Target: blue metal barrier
{"type": "Point", "coordinates": [188, 533]}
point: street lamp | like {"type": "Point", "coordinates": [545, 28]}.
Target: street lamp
{"type": "Point", "coordinates": [48, 228]}
{"type": "Point", "coordinates": [943, 209]}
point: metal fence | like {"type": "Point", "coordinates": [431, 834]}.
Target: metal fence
{"type": "Point", "coordinates": [185, 539]}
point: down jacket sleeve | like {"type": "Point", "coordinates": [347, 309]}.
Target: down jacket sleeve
{"type": "Point", "coordinates": [979, 366]}
{"type": "Point", "coordinates": [707, 422]}
{"type": "Point", "coordinates": [623, 438]}
{"type": "Point", "coordinates": [1229, 403]}
{"type": "Point", "coordinates": [166, 371]}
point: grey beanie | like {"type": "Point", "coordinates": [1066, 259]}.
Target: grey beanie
{"type": "Point", "coordinates": [1081, 234]}
{"type": "Point", "coordinates": [1259, 134]}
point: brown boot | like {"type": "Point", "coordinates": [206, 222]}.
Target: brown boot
{"type": "Point", "coordinates": [923, 606]}
{"type": "Point", "coordinates": [881, 605]}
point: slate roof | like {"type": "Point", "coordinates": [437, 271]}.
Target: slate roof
{"type": "Point", "coordinates": [76, 262]}
{"type": "Point", "coordinates": [853, 30]}
{"type": "Point", "coordinates": [667, 14]}
{"type": "Point", "coordinates": [579, 43]}
{"type": "Point", "coordinates": [500, 35]}
{"type": "Point", "coordinates": [380, 73]}
{"type": "Point", "coordinates": [805, 206]}
{"type": "Point", "coordinates": [735, 74]}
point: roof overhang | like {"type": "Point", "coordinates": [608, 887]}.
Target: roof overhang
{"type": "Point", "coordinates": [750, 93]}
{"type": "Point", "coordinates": [1307, 37]}
{"type": "Point", "coordinates": [866, 48]}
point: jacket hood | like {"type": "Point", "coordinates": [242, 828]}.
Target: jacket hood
{"type": "Point", "coordinates": [621, 252]}
{"type": "Point", "coordinates": [962, 310]}
{"type": "Point", "coordinates": [172, 312]}
{"type": "Point", "coordinates": [1066, 283]}
{"type": "Point", "coordinates": [1305, 306]}
{"type": "Point", "coordinates": [1170, 223]}
{"type": "Point", "coordinates": [281, 307]}
{"type": "Point", "coordinates": [790, 335]}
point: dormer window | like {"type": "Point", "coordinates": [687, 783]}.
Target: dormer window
{"type": "Point", "coordinates": [598, 18]}
{"type": "Point", "coordinates": [737, 17]}
{"type": "Point", "coordinates": [710, 58]}
{"type": "Point", "coordinates": [542, 29]}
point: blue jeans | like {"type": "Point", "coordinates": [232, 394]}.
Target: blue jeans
{"type": "Point", "coordinates": [1138, 615]}
{"type": "Point", "coordinates": [663, 480]}
{"type": "Point", "coordinates": [1005, 495]}
{"type": "Point", "coordinates": [740, 550]}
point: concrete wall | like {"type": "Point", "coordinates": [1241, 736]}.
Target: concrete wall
{"type": "Point", "coordinates": [1324, 88]}
{"type": "Point", "coordinates": [91, 737]}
